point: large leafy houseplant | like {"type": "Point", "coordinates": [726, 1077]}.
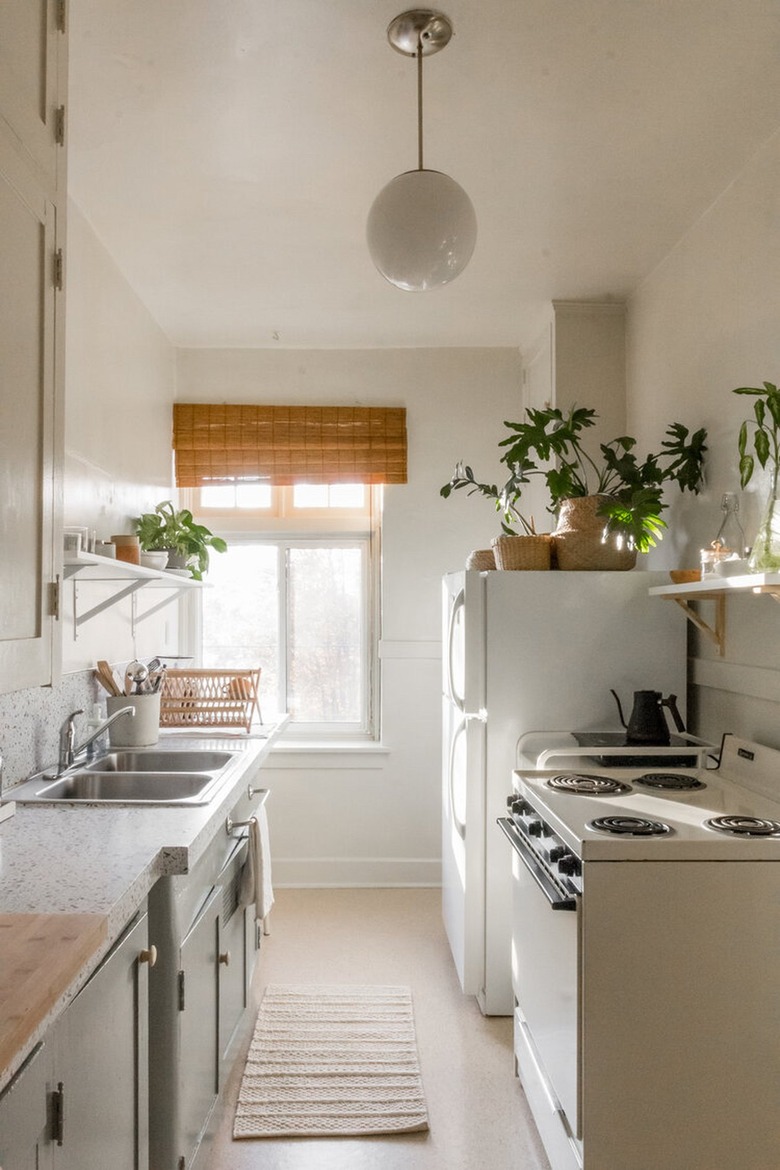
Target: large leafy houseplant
{"type": "Point", "coordinates": [506, 499]}
{"type": "Point", "coordinates": [630, 491]}
{"type": "Point", "coordinates": [765, 554]}
{"type": "Point", "coordinates": [175, 529]}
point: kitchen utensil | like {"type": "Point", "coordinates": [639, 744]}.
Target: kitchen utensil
{"type": "Point", "coordinates": [136, 672]}
{"type": "Point", "coordinates": [646, 723]}
{"type": "Point", "coordinates": [105, 675]}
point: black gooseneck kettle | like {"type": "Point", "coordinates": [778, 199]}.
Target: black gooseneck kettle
{"type": "Point", "coordinates": [647, 723]}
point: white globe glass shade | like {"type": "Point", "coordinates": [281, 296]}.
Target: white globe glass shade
{"type": "Point", "coordinates": [421, 230]}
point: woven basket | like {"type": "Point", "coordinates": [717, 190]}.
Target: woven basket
{"type": "Point", "coordinates": [522, 552]}
{"type": "Point", "coordinates": [582, 542]}
{"type": "Point", "coordinates": [481, 558]}
{"type": "Point", "coordinates": [209, 698]}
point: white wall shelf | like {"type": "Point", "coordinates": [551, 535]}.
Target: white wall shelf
{"type": "Point", "coordinates": [127, 578]}
{"type": "Point", "coordinates": [716, 590]}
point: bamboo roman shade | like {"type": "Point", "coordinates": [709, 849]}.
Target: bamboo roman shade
{"type": "Point", "coordinates": [288, 444]}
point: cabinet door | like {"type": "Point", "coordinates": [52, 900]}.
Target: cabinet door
{"type": "Point", "coordinates": [27, 425]}
{"type": "Point", "coordinates": [102, 1062]}
{"type": "Point", "coordinates": [32, 61]}
{"type": "Point", "coordinates": [232, 956]}
{"type": "Point", "coordinates": [24, 1143]}
{"type": "Point", "coordinates": [199, 1037]}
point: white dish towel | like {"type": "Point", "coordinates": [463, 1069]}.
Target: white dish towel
{"type": "Point", "coordinates": [256, 875]}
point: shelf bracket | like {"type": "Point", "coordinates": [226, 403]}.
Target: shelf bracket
{"type": "Point", "coordinates": [81, 618]}
{"type": "Point", "coordinates": [172, 596]}
{"type": "Point", "coordinates": [716, 632]}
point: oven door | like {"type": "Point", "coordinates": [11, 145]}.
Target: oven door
{"type": "Point", "coordinates": [546, 982]}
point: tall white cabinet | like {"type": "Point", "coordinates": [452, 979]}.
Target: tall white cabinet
{"type": "Point", "coordinates": [33, 116]}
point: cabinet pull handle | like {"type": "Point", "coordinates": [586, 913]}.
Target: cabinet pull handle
{"type": "Point", "coordinates": [58, 1114]}
{"type": "Point", "coordinates": [225, 958]}
{"type": "Point", "coordinates": [149, 956]}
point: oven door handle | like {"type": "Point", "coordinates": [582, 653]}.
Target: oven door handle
{"type": "Point", "coordinates": [551, 892]}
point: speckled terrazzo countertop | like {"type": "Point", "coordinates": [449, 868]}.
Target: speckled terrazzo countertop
{"type": "Point", "coordinates": [89, 860]}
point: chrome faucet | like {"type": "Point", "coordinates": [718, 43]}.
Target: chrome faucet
{"type": "Point", "coordinates": [68, 749]}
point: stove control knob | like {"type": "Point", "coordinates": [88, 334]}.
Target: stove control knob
{"type": "Point", "coordinates": [535, 828]}
{"type": "Point", "coordinates": [570, 864]}
{"type": "Point", "coordinates": [557, 852]}
{"type": "Point", "coordinates": [515, 804]}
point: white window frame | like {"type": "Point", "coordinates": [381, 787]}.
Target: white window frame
{"type": "Point", "coordinates": [285, 528]}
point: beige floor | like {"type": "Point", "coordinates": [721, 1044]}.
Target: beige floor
{"type": "Point", "coordinates": [477, 1112]}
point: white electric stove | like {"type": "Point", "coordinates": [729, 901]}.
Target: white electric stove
{"type": "Point", "coordinates": [646, 968]}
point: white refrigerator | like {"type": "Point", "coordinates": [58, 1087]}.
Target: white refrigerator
{"type": "Point", "coordinates": [529, 651]}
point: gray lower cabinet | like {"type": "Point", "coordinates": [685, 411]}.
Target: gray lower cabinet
{"type": "Point", "coordinates": [24, 1131]}
{"type": "Point", "coordinates": [81, 1101]}
{"type": "Point", "coordinates": [198, 996]}
{"type": "Point", "coordinates": [198, 1070]}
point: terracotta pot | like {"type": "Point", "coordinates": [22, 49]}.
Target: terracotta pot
{"type": "Point", "coordinates": [582, 541]}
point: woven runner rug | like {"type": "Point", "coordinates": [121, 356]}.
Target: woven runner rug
{"type": "Point", "coordinates": [332, 1061]}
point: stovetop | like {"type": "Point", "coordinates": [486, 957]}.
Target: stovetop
{"type": "Point", "coordinates": [746, 785]}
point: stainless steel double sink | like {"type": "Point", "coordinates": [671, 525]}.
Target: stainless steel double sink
{"type": "Point", "coordinates": [140, 776]}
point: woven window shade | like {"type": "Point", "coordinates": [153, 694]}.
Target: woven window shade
{"type": "Point", "coordinates": [288, 444]}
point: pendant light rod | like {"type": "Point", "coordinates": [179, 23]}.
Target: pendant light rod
{"type": "Point", "coordinates": [420, 166]}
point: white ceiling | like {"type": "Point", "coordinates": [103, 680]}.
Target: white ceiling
{"type": "Point", "coordinates": [226, 152]}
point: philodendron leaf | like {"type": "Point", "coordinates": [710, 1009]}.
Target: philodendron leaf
{"type": "Point", "coordinates": [761, 440]}
{"type": "Point", "coordinates": [746, 466]}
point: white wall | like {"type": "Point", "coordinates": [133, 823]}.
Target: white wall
{"type": "Point", "coordinates": [705, 321]}
{"type": "Point", "coordinates": [120, 373]}
{"type": "Point", "coordinates": [372, 817]}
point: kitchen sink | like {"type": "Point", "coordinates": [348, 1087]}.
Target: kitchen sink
{"type": "Point", "coordinates": [129, 787]}
{"type": "Point", "coordinates": [157, 761]}
{"type": "Point", "coordinates": [134, 776]}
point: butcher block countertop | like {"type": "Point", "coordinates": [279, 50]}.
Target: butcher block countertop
{"type": "Point", "coordinates": [72, 877]}
{"type": "Point", "coordinates": [40, 956]}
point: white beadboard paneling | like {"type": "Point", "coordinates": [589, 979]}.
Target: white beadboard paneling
{"type": "Point", "coordinates": [754, 681]}
{"type": "Point", "coordinates": [341, 872]}
{"type": "Point", "coordinates": [410, 650]}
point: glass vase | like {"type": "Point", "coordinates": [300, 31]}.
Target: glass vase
{"type": "Point", "coordinates": [765, 554]}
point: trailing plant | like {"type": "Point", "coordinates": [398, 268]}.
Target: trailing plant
{"type": "Point", "coordinates": [632, 490]}
{"type": "Point", "coordinates": [176, 529]}
{"type": "Point", "coordinates": [506, 498]}
{"type": "Point", "coordinates": [765, 555]}
{"type": "Point", "coordinates": [766, 436]}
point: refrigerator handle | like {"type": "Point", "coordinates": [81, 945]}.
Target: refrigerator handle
{"type": "Point", "coordinates": [458, 604]}
{"type": "Point", "coordinates": [460, 826]}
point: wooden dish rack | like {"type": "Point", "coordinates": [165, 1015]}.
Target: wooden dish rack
{"type": "Point", "coordinates": [209, 698]}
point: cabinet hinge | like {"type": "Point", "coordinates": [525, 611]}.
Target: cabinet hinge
{"type": "Point", "coordinates": [181, 991]}
{"type": "Point", "coordinates": [58, 1114]}
{"type": "Point", "coordinates": [55, 595]}
{"type": "Point", "coordinates": [59, 270]}
{"type": "Point", "coordinates": [61, 9]}
{"type": "Point", "coordinates": [59, 126]}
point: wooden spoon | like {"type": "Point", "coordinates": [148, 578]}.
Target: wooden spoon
{"type": "Point", "coordinates": [105, 675]}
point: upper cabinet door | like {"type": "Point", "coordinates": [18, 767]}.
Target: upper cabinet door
{"type": "Point", "coordinates": [28, 450]}
{"type": "Point", "coordinates": [32, 57]}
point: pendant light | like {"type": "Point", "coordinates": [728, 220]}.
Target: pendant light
{"type": "Point", "coordinates": [421, 227]}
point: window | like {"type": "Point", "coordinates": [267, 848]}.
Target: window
{"type": "Point", "coordinates": [296, 593]}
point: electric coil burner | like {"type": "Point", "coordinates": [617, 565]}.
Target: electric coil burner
{"type": "Point", "coordinates": [629, 826]}
{"type": "Point", "coordinates": [741, 826]}
{"type": "Point", "coordinates": [585, 784]}
{"type": "Point", "coordinates": [671, 781]}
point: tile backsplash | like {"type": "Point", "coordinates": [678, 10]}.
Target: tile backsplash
{"type": "Point", "coordinates": [30, 722]}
